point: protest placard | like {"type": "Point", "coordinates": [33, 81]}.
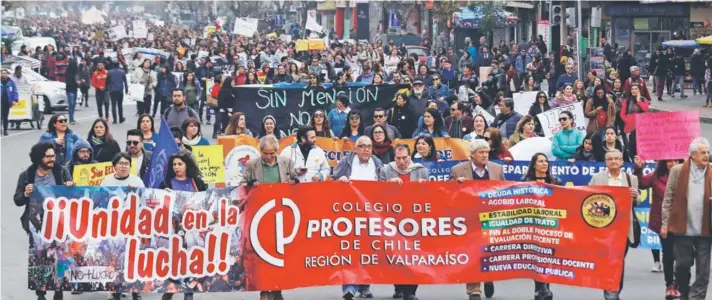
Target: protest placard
{"type": "Point", "coordinates": [140, 31]}
{"type": "Point", "coordinates": [484, 73]}
{"type": "Point", "coordinates": [478, 110]}
{"type": "Point", "coordinates": [245, 26]}
{"type": "Point", "coordinates": [92, 174]}
{"type": "Point", "coordinates": [549, 120]}
{"type": "Point", "coordinates": [301, 45]}
{"type": "Point", "coordinates": [210, 163]}
{"type": "Point", "coordinates": [117, 32]}
{"type": "Point", "coordinates": [666, 135]}
{"type": "Point", "coordinates": [523, 101]}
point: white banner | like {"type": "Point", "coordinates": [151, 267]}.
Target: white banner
{"type": "Point", "coordinates": [92, 274]}
{"type": "Point", "coordinates": [136, 92]}
{"type": "Point", "coordinates": [118, 32]}
{"type": "Point", "coordinates": [550, 119]}
{"type": "Point", "coordinates": [311, 22]}
{"type": "Point", "coordinates": [523, 101]}
{"type": "Point", "coordinates": [246, 26]}
{"type": "Point", "coordinates": [478, 110]}
{"type": "Point", "coordinates": [525, 149]}
{"type": "Point", "coordinates": [140, 31]}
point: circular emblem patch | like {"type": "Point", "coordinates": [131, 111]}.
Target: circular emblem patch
{"type": "Point", "coordinates": [598, 210]}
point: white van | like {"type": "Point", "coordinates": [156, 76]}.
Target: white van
{"type": "Point", "coordinates": [32, 43]}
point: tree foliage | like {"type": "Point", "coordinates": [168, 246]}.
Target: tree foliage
{"type": "Point", "coordinates": [490, 10]}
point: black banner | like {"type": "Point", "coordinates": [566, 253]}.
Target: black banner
{"type": "Point", "coordinates": [363, 22]}
{"type": "Point", "coordinates": [292, 107]}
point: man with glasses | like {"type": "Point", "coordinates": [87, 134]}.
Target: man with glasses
{"type": "Point", "coordinates": [140, 157]}
{"type": "Point", "coordinates": [458, 124]}
{"type": "Point", "coordinates": [82, 155]}
{"type": "Point", "coordinates": [568, 78]}
{"type": "Point", "coordinates": [478, 167]}
{"type": "Point", "coordinates": [615, 176]}
{"type": "Point", "coordinates": [379, 118]}
{"type": "Point", "coordinates": [44, 170]}
{"type": "Point", "coordinates": [438, 91]}
{"type": "Point", "coordinates": [358, 165]}
{"type": "Point", "coordinates": [269, 168]}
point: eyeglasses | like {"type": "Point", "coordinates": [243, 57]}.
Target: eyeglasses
{"type": "Point", "coordinates": [134, 143]}
{"type": "Point", "coordinates": [61, 120]}
{"type": "Point", "coordinates": [542, 97]}
{"type": "Point", "coordinates": [563, 119]}
{"type": "Point", "coordinates": [365, 146]}
{"type": "Point", "coordinates": [377, 132]}
{"type": "Point", "coordinates": [378, 116]}
{"type": "Point", "coordinates": [436, 79]}
{"type": "Point", "coordinates": [123, 164]}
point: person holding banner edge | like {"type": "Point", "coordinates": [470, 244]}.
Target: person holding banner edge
{"type": "Point", "coordinates": [540, 171]}
{"type": "Point", "coordinates": [478, 167]}
{"type": "Point", "coordinates": [615, 176]}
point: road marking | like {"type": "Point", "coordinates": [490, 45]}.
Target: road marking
{"type": "Point", "coordinates": [34, 130]}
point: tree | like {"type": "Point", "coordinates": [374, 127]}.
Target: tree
{"type": "Point", "coordinates": [492, 12]}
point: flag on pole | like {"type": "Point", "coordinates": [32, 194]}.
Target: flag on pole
{"type": "Point", "coordinates": [165, 147]}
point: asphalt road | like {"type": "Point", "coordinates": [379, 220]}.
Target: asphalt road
{"type": "Point", "coordinates": [640, 283]}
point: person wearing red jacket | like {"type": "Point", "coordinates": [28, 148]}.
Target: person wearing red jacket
{"type": "Point", "coordinates": [240, 77]}
{"type": "Point", "coordinates": [633, 103]}
{"type": "Point", "coordinates": [98, 81]}
{"type": "Point", "coordinates": [635, 79]}
{"type": "Point", "coordinates": [215, 93]}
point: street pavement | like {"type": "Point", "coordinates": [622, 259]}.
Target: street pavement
{"type": "Point", "coordinates": [640, 282]}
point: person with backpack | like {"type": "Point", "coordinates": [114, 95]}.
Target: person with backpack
{"type": "Point", "coordinates": [177, 113]}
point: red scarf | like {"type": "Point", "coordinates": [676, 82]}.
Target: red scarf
{"type": "Point", "coordinates": [381, 148]}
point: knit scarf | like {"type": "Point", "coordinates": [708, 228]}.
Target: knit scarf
{"type": "Point", "coordinates": [97, 141]}
{"type": "Point", "coordinates": [192, 142]}
{"type": "Point", "coordinates": [381, 148]}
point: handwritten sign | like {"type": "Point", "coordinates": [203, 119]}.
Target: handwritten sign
{"type": "Point", "coordinates": [550, 119]}
{"type": "Point", "coordinates": [246, 26]}
{"type": "Point", "coordinates": [140, 31]}
{"type": "Point", "coordinates": [653, 139]}
{"type": "Point", "coordinates": [92, 174]}
{"type": "Point", "coordinates": [210, 163]}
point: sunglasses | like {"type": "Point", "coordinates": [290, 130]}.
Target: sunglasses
{"type": "Point", "coordinates": [62, 121]}
{"type": "Point", "coordinates": [436, 78]}
{"type": "Point", "coordinates": [542, 97]}
{"type": "Point", "coordinates": [563, 119]}
{"type": "Point", "coordinates": [379, 116]}
{"type": "Point", "coordinates": [134, 143]}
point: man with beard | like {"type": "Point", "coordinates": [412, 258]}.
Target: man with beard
{"type": "Point", "coordinates": [568, 78]}
{"type": "Point", "coordinates": [177, 113]}
{"type": "Point", "coordinates": [82, 155]}
{"type": "Point", "coordinates": [635, 79]}
{"type": "Point", "coordinates": [98, 81]}
{"type": "Point", "coordinates": [418, 97]}
{"type": "Point", "coordinates": [141, 158]}
{"type": "Point", "coordinates": [44, 171]}
{"type": "Point", "coordinates": [308, 160]}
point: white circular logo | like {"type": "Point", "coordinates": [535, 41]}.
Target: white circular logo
{"type": "Point", "coordinates": [235, 164]}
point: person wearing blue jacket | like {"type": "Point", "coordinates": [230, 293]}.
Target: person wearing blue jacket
{"type": "Point", "coordinates": [164, 89]}
{"type": "Point", "coordinates": [439, 91]}
{"type": "Point", "coordinates": [472, 50]}
{"type": "Point", "coordinates": [61, 137]}
{"type": "Point", "coordinates": [83, 154]}
{"type": "Point", "coordinates": [337, 116]}
{"type": "Point", "coordinates": [568, 139]}
{"type": "Point", "coordinates": [432, 125]}
{"type": "Point", "coordinates": [568, 78]}
{"type": "Point", "coordinates": [9, 98]}
{"type": "Point", "coordinates": [118, 85]}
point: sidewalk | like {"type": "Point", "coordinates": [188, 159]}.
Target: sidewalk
{"type": "Point", "coordinates": [689, 103]}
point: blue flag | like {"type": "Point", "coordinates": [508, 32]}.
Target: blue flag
{"type": "Point", "coordinates": [165, 147]}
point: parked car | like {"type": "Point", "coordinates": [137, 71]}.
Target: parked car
{"type": "Point", "coordinates": [53, 94]}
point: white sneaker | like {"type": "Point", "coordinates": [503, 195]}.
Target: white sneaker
{"type": "Point", "coordinates": [657, 267]}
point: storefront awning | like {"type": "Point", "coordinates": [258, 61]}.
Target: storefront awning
{"type": "Point", "coordinates": [681, 44]}
{"type": "Point", "coordinates": [470, 18]}
{"type": "Point", "coordinates": [705, 40]}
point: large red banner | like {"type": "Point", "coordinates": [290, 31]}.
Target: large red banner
{"type": "Point", "coordinates": [433, 233]}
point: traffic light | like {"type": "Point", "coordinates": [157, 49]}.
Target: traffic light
{"type": "Point", "coordinates": [555, 15]}
{"type": "Point", "coordinates": [571, 17]}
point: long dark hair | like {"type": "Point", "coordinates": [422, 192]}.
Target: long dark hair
{"type": "Point", "coordinates": [433, 154]}
{"type": "Point", "coordinates": [437, 120]}
{"type": "Point", "coordinates": [185, 78]}
{"type": "Point", "coordinates": [531, 172]}
{"type": "Point", "coordinates": [661, 168]}
{"type": "Point", "coordinates": [326, 126]}
{"type": "Point", "coordinates": [191, 168]}
{"type": "Point", "coordinates": [496, 141]}
{"type": "Point", "coordinates": [226, 85]}
{"type": "Point", "coordinates": [385, 133]}
{"type": "Point", "coordinates": [107, 134]}
{"type": "Point", "coordinates": [140, 118]}
{"type": "Point", "coordinates": [546, 103]}
{"type": "Point", "coordinates": [51, 128]}
{"type": "Point", "coordinates": [263, 131]}
{"type": "Point", "coordinates": [346, 132]}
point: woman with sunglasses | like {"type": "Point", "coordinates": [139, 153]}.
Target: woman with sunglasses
{"type": "Point", "coordinates": [102, 142]}
{"type": "Point", "coordinates": [565, 141]}
{"type": "Point", "coordinates": [148, 132]}
{"type": "Point", "coordinates": [192, 135]}
{"type": "Point", "coordinates": [432, 124]}
{"type": "Point", "coordinates": [480, 128]}
{"type": "Point", "coordinates": [314, 80]}
{"type": "Point", "coordinates": [425, 150]}
{"type": "Point", "coordinates": [269, 126]}
{"type": "Point", "coordinates": [658, 182]}
{"type": "Point", "coordinates": [355, 128]}
{"type": "Point", "coordinates": [321, 125]}
{"type": "Point", "coordinates": [63, 138]}
{"type": "Point", "coordinates": [540, 171]}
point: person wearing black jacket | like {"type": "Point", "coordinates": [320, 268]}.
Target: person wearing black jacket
{"type": "Point", "coordinates": [141, 157]}
{"type": "Point", "coordinates": [102, 142]}
{"type": "Point", "coordinates": [71, 79]}
{"type": "Point", "coordinates": [697, 70]}
{"type": "Point", "coordinates": [44, 170]}
{"type": "Point", "coordinates": [678, 73]}
{"type": "Point", "coordinates": [540, 105]}
{"type": "Point", "coordinates": [84, 81]}
{"type": "Point", "coordinates": [402, 117]}
{"type": "Point", "coordinates": [226, 102]}
{"type": "Point", "coordinates": [624, 64]}
{"type": "Point", "coordinates": [659, 68]}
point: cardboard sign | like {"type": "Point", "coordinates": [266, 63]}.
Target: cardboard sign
{"type": "Point", "coordinates": [92, 174]}
{"type": "Point", "coordinates": [246, 26]}
{"type": "Point", "coordinates": [140, 31]}
{"type": "Point", "coordinates": [655, 140]}
{"type": "Point", "coordinates": [549, 120]}
{"type": "Point", "coordinates": [210, 162]}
